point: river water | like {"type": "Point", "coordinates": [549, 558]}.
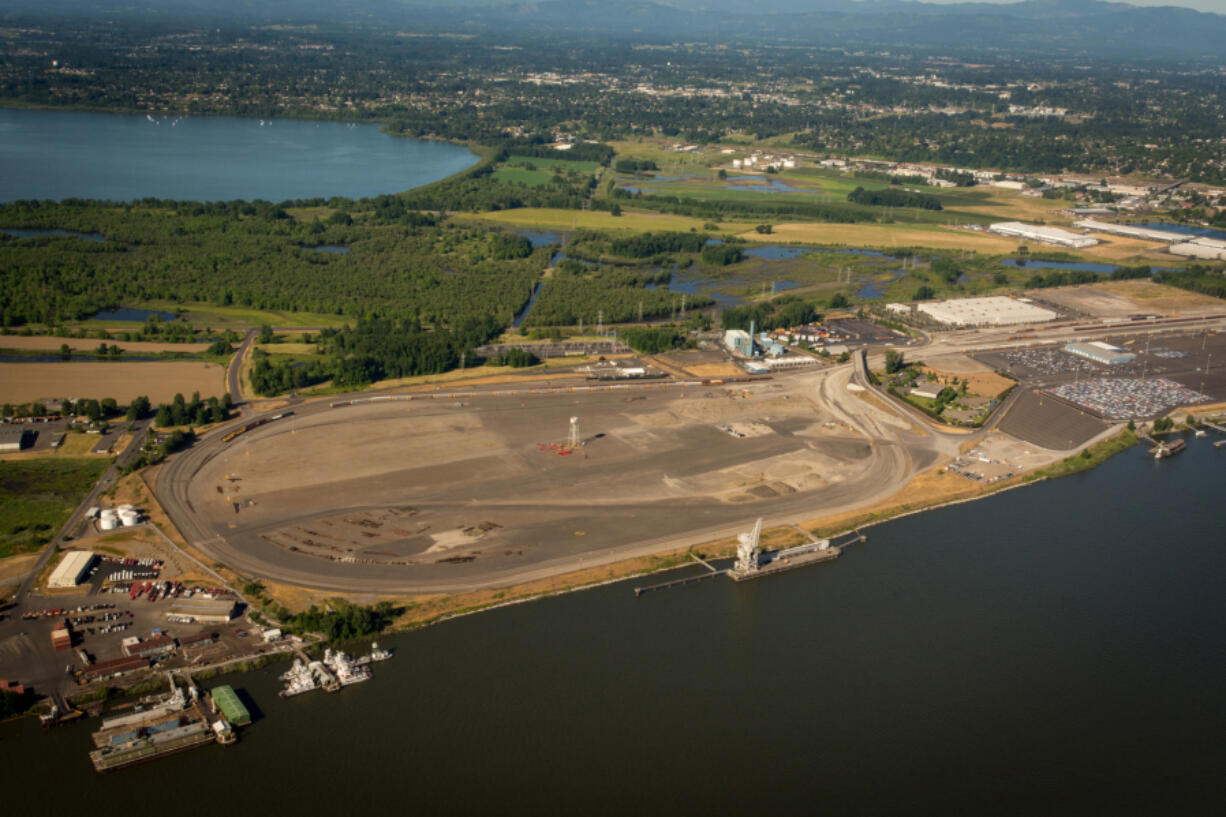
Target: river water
{"type": "Point", "coordinates": [1057, 649]}
{"type": "Point", "coordinates": [62, 154]}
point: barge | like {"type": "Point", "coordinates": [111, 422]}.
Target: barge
{"type": "Point", "coordinates": [170, 724]}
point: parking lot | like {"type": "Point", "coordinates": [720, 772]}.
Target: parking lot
{"type": "Point", "coordinates": [1127, 398]}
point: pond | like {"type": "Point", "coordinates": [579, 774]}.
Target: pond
{"type": "Point", "coordinates": [523, 313]}
{"type": "Point", "coordinates": [1185, 229]}
{"type": "Point", "coordinates": [334, 249]}
{"type": "Point", "coordinates": [125, 313]}
{"type": "Point", "coordinates": [541, 238]}
{"type": "Point", "coordinates": [876, 289]}
{"type": "Point", "coordinates": [37, 233]}
{"type": "Point", "coordinates": [1080, 266]}
{"type": "Point", "coordinates": [120, 157]}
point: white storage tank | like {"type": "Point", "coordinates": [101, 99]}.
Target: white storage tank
{"type": "Point", "coordinates": [129, 517]}
{"type": "Point", "coordinates": [108, 520]}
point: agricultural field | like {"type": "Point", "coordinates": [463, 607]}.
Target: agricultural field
{"type": "Point", "coordinates": [160, 381]}
{"type": "Point", "coordinates": [52, 343]}
{"type": "Point", "coordinates": [37, 497]}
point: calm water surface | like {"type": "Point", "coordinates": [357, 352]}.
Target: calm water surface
{"type": "Point", "coordinates": [1053, 650]}
{"type": "Point", "coordinates": [59, 154]}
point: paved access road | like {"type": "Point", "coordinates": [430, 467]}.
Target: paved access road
{"type": "Point", "coordinates": [139, 430]}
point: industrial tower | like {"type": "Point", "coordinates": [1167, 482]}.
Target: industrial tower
{"type": "Point", "coordinates": [572, 442]}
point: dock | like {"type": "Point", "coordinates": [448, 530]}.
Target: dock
{"type": "Point", "coordinates": [751, 563]}
{"type": "Point", "coordinates": [711, 573]}
{"type": "Point", "coordinates": [1162, 450]}
{"type": "Point", "coordinates": [168, 725]}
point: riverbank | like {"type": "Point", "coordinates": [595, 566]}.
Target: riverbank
{"type": "Point", "coordinates": [928, 491]}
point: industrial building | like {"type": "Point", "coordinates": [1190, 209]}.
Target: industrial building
{"type": "Point", "coordinates": [72, 569]}
{"type": "Point", "coordinates": [773, 347]}
{"type": "Point", "coordinates": [1047, 235]}
{"type": "Point", "coordinates": [739, 342]}
{"type": "Point", "coordinates": [1145, 233]}
{"type": "Point", "coordinates": [1100, 352]}
{"type": "Point", "coordinates": [13, 440]}
{"type": "Point", "coordinates": [212, 611]}
{"type": "Point", "coordinates": [150, 647]}
{"type": "Point", "coordinates": [930, 391]}
{"type": "Point", "coordinates": [790, 362]}
{"type": "Point", "coordinates": [995, 310]}
{"type": "Point", "coordinates": [119, 666]}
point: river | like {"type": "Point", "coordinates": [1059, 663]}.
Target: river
{"type": "Point", "coordinates": [61, 154]}
{"type": "Point", "coordinates": [1057, 649]}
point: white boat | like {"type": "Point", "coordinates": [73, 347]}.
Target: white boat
{"type": "Point", "coordinates": [376, 654]}
{"type": "Point", "coordinates": [299, 679]}
{"type": "Point", "coordinates": [347, 671]}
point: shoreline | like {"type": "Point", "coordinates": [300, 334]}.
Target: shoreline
{"type": "Point", "coordinates": [423, 612]}
{"type": "Point", "coordinates": [426, 610]}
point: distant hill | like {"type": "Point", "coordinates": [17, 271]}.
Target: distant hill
{"type": "Point", "coordinates": [1035, 26]}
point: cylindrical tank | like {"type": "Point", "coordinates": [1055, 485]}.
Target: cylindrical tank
{"type": "Point", "coordinates": [108, 522]}
{"type": "Point", "coordinates": [129, 517]}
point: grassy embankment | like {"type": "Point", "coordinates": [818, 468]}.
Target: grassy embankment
{"type": "Point", "coordinates": [38, 496]}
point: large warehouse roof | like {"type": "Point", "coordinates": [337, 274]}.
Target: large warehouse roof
{"type": "Point", "coordinates": [1048, 235]}
{"type": "Point", "coordinates": [70, 570]}
{"type": "Point", "coordinates": [1100, 352]}
{"type": "Point", "coordinates": [992, 311]}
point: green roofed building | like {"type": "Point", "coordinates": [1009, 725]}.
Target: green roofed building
{"type": "Point", "coordinates": [231, 707]}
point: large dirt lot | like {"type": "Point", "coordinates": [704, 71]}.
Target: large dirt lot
{"type": "Point", "coordinates": [1118, 299]}
{"type": "Point", "coordinates": [446, 492]}
{"type": "Point", "coordinates": [979, 376]}
{"type": "Point", "coordinates": [159, 381]}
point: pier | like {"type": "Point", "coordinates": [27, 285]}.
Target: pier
{"type": "Point", "coordinates": [711, 573]}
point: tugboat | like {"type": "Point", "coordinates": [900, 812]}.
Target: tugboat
{"type": "Point", "coordinates": [299, 679]}
{"type": "Point", "coordinates": [376, 654]}
{"type": "Point", "coordinates": [347, 671]}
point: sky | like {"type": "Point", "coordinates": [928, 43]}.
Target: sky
{"type": "Point", "coordinates": [1215, 6]}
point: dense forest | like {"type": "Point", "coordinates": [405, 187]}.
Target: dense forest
{"type": "Point", "coordinates": [253, 256]}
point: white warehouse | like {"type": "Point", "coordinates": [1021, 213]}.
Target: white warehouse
{"type": "Point", "coordinates": [1047, 235]}
{"type": "Point", "coordinates": [72, 569]}
{"type": "Point", "coordinates": [992, 311]}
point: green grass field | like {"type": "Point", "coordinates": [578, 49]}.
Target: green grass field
{"type": "Point", "coordinates": [37, 497]}
{"type": "Point", "coordinates": [535, 171]}
{"type": "Point", "coordinates": [234, 317]}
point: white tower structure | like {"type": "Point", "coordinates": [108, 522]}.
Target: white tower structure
{"type": "Point", "coordinates": [747, 550]}
{"type": "Point", "coordinates": [572, 442]}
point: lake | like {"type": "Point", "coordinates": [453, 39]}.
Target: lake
{"type": "Point", "coordinates": [1053, 650]}
{"type": "Point", "coordinates": [1185, 229]}
{"type": "Point", "coordinates": [120, 157]}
